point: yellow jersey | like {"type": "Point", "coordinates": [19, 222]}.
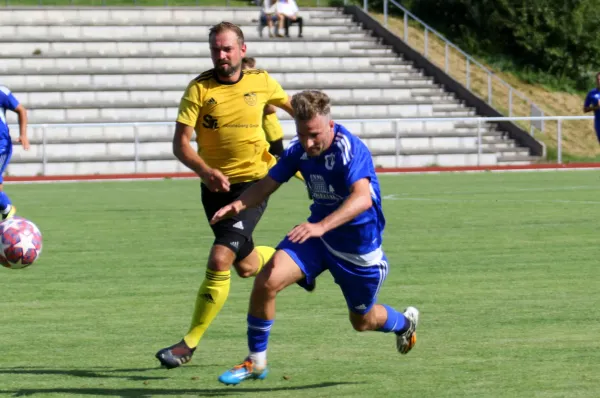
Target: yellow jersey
{"type": "Point", "coordinates": [272, 127]}
{"type": "Point", "coordinates": [227, 118]}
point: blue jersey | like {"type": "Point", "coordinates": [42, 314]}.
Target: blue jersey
{"type": "Point", "coordinates": [592, 99]}
{"type": "Point", "coordinates": [7, 102]}
{"type": "Point", "coordinates": [329, 178]}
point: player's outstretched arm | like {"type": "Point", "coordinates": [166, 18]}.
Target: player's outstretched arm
{"type": "Point", "coordinates": [21, 112]}
{"type": "Point", "coordinates": [183, 150]}
{"type": "Point", "coordinates": [251, 197]}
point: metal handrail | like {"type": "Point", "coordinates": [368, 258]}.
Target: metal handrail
{"type": "Point", "coordinates": [535, 109]}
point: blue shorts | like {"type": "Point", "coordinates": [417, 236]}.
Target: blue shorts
{"type": "Point", "coordinates": [5, 155]}
{"type": "Point", "coordinates": [360, 285]}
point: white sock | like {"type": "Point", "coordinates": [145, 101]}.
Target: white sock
{"type": "Point", "coordinates": [7, 210]}
{"type": "Point", "coordinates": [259, 359]}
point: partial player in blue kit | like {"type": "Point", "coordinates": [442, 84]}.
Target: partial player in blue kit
{"type": "Point", "coordinates": [343, 233]}
{"type": "Point", "coordinates": [8, 101]}
{"type": "Point", "coordinates": [592, 104]}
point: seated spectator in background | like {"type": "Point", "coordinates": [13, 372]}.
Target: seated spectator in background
{"type": "Point", "coordinates": [287, 13]}
{"type": "Point", "coordinates": [268, 15]}
{"type": "Point", "coordinates": [592, 104]}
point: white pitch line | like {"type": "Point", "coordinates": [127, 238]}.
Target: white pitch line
{"type": "Point", "coordinates": [515, 190]}
{"type": "Point", "coordinates": [408, 199]}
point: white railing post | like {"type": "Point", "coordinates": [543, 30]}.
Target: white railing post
{"type": "Point", "coordinates": [366, 6]}
{"type": "Point", "coordinates": [510, 101]}
{"type": "Point", "coordinates": [405, 27]}
{"type": "Point", "coordinates": [136, 148]}
{"type": "Point", "coordinates": [385, 13]}
{"type": "Point", "coordinates": [44, 150]}
{"type": "Point", "coordinates": [478, 141]}
{"type": "Point", "coordinates": [489, 88]}
{"type": "Point", "coordinates": [397, 141]}
{"type": "Point", "coordinates": [559, 142]}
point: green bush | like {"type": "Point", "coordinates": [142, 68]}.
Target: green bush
{"type": "Point", "coordinates": [557, 38]}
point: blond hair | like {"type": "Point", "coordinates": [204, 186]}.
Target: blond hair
{"type": "Point", "coordinates": [310, 103]}
{"type": "Point", "coordinates": [225, 26]}
{"type": "Point", "coordinates": [248, 62]}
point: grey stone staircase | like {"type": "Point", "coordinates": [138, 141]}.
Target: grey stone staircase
{"type": "Point", "coordinates": [131, 65]}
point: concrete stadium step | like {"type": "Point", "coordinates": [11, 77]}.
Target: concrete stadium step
{"type": "Point", "coordinates": [361, 127]}
{"type": "Point", "coordinates": [68, 149]}
{"type": "Point", "coordinates": [436, 143]}
{"type": "Point", "coordinates": [134, 77]}
{"type": "Point", "coordinates": [112, 113]}
{"type": "Point", "coordinates": [175, 46]}
{"type": "Point", "coordinates": [52, 164]}
{"type": "Point", "coordinates": [37, 99]}
{"type": "Point", "coordinates": [173, 102]}
{"type": "Point", "coordinates": [156, 32]}
{"type": "Point", "coordinates": [165, 162]}
{"type": "Point", "coordinates": [252, 23]}
{"type": "Point", "coordinates": [514, 160]}
{"type": "Point", "coordinates": [41, 64]}
{"type": "Point", "coordinates": [140, 15]}
{"type": "Point", "coordinates": [189, 35]}
{"type": "Point", "coordinates": [366, 89]}
{"type": "Point", "coordinates": [198, 52]}
{"type": "Point", "coordinates": [116, 132]}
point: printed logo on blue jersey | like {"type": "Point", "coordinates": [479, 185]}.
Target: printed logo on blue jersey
{"type": "Point", "coordinates": [321, 193]}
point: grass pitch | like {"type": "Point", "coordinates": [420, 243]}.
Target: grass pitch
{"type": "Point", "coordinates": [503, 267]}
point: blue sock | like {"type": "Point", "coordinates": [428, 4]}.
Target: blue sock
{"type": "Point", "coordinates": [258, 333]}
{"type": "Point", "coordinates": [396, 321]}
{"type": "Point", "coordinates": [4, 201]}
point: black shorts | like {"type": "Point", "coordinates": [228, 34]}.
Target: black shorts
{"type": "Point", "coordinates": [236, 232]}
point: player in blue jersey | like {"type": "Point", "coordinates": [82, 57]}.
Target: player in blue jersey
{"type": "Point", "coordinates": [343, 233]}
{"type": "Point", "coordinates": [592, 104]}
{"type": "Point", "coordinates": [8, 101]}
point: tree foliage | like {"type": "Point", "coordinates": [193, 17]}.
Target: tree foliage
{"type": "Point", "coordinates": [555, 37]}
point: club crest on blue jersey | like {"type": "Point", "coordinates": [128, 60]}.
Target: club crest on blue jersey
{"type": "Point", "coordinates": [330, 161]}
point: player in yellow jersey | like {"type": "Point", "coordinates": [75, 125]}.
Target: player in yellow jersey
{"type": "Point", "coordinates": [224, 106]}
{"type": "Point", "coordinates": [271, 125]}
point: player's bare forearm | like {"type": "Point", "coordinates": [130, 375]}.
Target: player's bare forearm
{"type": "Point", "coordinates": [359, 201]}
{"type": "Point", "coordinates": [22, 115]}
{"type": "Point", "coordinates": [258, 192]}
{"type": "Point", "coordinates": [269, 109]}
{"type": "Point", "coordinates": [183, 150]}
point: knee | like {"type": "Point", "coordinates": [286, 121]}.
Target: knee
{"type": "Point", "coordinates": [219, 262]}
{"type": "Point", "coordinates": [268, 284]}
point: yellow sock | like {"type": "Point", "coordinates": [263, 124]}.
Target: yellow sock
{"type": "Point", "coordinates": [211, 297]}
{"type": "Point", "coordinates": [299, 176]}
{"type": "Point", "coordinates": [264, 254]}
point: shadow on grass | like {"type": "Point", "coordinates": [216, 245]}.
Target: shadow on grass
{"type": "Point", "coordinates": [96, 373]}
{"type": "Point", "coordinates": [150, 392]}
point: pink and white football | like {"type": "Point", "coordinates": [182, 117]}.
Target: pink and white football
{"type": "Point", "coordinates": [21, 242]}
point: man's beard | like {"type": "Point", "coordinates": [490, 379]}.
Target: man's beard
{"type": "Point", "coordinates": [230, 71]}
